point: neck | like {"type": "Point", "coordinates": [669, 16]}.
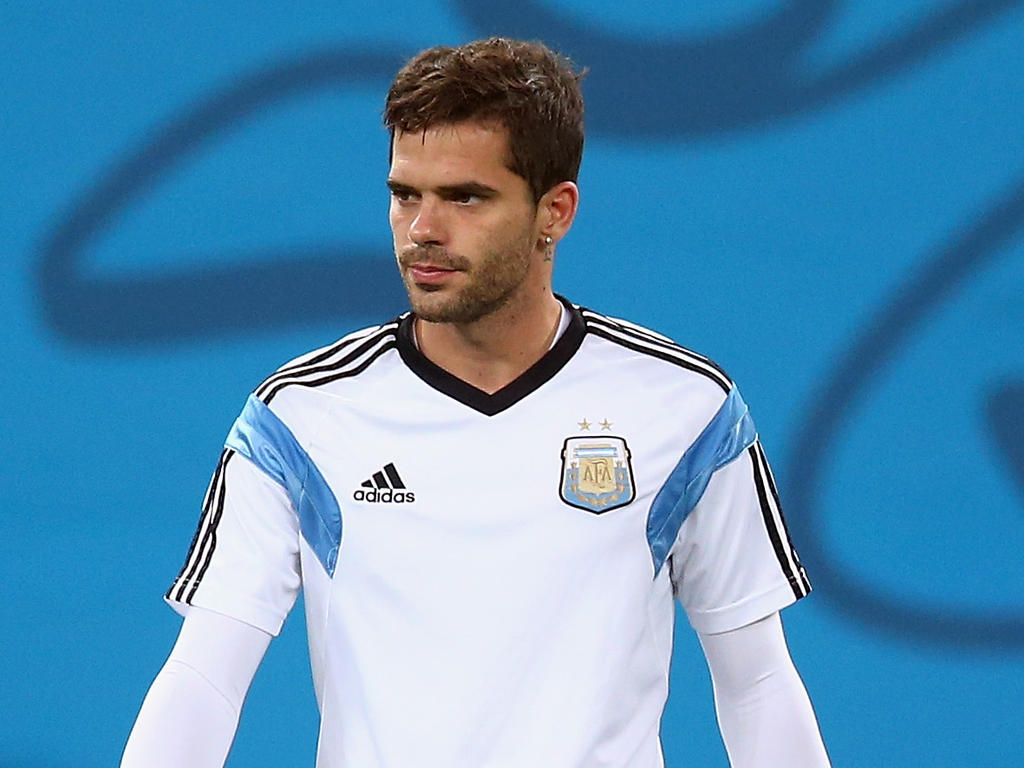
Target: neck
{"type": "Point", "coordinates": [495, 350]}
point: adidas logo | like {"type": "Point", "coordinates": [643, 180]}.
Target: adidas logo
{"type": "Point", "coordinates": [385, 486]}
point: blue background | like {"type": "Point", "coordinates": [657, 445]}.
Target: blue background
{"type": "Point", "coordinates": [826, 197]}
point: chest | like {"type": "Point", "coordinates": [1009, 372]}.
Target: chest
{"type": "Point", "coordinates": [563, 479]}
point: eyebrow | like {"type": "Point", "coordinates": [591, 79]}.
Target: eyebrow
{"type": "Point", "coordinates": [474, 188]}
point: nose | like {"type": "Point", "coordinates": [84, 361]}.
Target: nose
{"type": "Point", "coordinates": [427, 227]}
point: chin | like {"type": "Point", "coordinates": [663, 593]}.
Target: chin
{"type": "Point", "coordinates": [441, 305]}
{"type": "Point", "coordinates": [429, 306]}
{"type": "Point", "coordinates": [440, 313]}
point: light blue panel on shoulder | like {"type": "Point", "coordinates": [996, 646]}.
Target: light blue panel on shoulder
{"type": "Point", "coordinates": [730, 432]}
{"type": "Point", "coordinates": [260, 436]}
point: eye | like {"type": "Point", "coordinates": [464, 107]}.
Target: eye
{"type": "Point", "coordinates": [402, 195]}
{"type": "Point", "coordinates": [468, 196]}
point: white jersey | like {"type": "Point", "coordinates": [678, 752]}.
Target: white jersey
{"type": "Point", "coordinates": [489, 578]}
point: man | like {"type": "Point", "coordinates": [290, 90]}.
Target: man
{"type": "Point", "coordinates": [491, 501]}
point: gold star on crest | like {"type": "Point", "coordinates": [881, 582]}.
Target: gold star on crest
{"type": "Point", "coordinates": [584, 425]}
{"type": "Point", "coordinates": [606, 424]}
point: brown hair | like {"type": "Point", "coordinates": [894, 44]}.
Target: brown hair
{"type": "Point", "coordinates": [526, 87]}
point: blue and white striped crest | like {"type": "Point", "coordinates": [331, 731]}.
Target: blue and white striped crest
{"type": "Point", "coordinates": [596, 473]}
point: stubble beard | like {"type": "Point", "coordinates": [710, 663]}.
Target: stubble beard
{"type": "Point", "coordinates": [490, 285]}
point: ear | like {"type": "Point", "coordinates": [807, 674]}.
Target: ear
{"type": "Point", "coordinates": [557, 209]}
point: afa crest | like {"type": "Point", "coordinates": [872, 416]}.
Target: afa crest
{"type": "Point", "coordinates": [596, 473]}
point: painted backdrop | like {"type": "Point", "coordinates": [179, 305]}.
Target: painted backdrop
{"type": "Point", "coordinates": [827, 197]}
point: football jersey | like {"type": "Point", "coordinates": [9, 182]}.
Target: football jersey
{"type": "Point", "coordinates": [489, 579]}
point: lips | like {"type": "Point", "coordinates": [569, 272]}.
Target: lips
{"type": "Point", "coordinates": [430, 273]}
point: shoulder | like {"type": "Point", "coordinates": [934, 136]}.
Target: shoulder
{"type": "Point", "coordinates": [347, 357]}
{"type": "Point", "coordinates": [656, 352]}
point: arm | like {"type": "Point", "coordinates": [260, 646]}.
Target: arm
{"type": "Point", "coordinates": [191, 711]}
{"type": "Point", "coordinates": [239, 581]}
{"type": "Point", "coordinates": [763, 710]}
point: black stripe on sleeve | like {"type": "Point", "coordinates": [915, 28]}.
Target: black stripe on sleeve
{"type": "Point", "coordinates": [204, 536]}
{"type": "Point", "coordinates": [776, 528]}
{"type": "Point", "coordinates": [766, 467]}
{"type": "Point", "coordinates": [214, 481]}
{"type": "Point", "coordinates": [211, 538]}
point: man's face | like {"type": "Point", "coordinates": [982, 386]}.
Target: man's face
{"type": "Point", "coordinates": [463, 223]}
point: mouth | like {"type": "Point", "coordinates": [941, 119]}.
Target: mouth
{"type": "Point", "coordinates": [430, 274]}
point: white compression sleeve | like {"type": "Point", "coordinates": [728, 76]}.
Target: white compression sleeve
{"type": "Point", "coordinates": [191, 712]}
{"type": "Point", "coordinates": [763, 709]}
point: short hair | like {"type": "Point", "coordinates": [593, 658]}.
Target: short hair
{"type": "Point", "coordinates": [525, 87]}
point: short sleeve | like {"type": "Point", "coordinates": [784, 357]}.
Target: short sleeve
{"type": "Point", "coordinates": [732, 562]}
{"type": "Point", "coordinates": [244, 558]}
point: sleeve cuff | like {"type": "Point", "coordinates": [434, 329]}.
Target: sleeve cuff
{"type": "Point", "coordinates": [730, 617]}
{"type": "Point", "coordinates": [250, 612]}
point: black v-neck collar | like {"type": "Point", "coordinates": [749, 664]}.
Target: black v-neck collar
{"type": "Point", "coordinates": [530, 380]}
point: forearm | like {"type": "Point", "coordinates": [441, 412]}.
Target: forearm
{"type": "Point", "coordinates": [772, 724]}
{"type": "Point", "coordinates": [190, 714]}
{"type": "Point", "coordinates": [184, 721]}
{"type": "Point", "coordinates": [764, 712]}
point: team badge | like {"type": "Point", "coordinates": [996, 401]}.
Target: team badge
{"type": "Point", "coordinates": [596, 473]}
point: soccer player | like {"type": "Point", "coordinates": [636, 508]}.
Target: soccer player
{"type": "Point", "coordinates": [492, 501]}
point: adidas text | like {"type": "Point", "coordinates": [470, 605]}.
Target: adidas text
{"type": "Point", "coordinates": [384, 495]}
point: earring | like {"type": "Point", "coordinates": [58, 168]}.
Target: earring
{"type": "Point", "coordinates": [548, 240]}
{"type": "Point", "coordinates": [549, 251]}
